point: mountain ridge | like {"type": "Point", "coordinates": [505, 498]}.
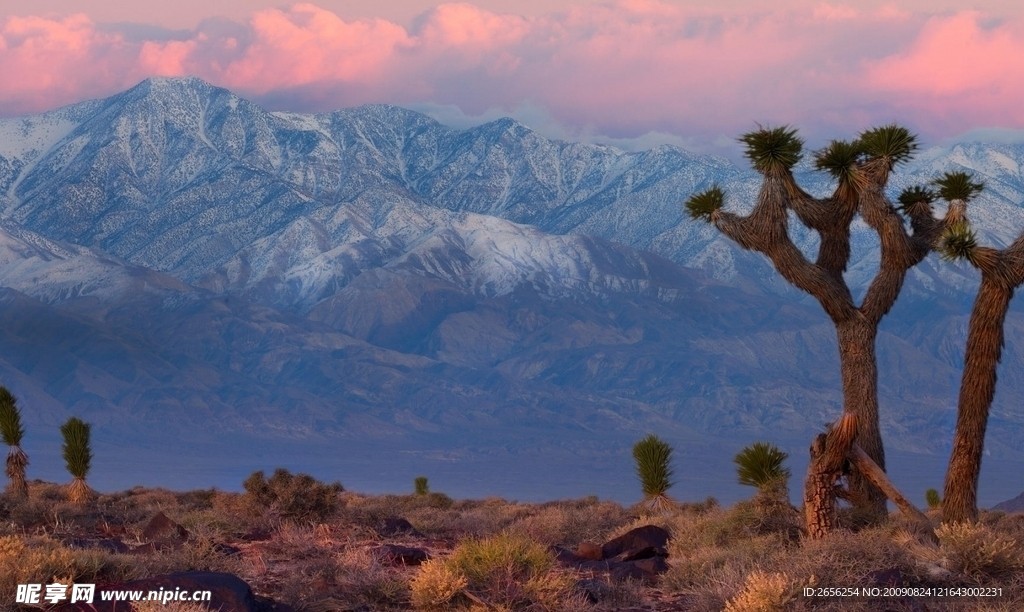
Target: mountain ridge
{"type": "Point", "coordinates": [371, 273]}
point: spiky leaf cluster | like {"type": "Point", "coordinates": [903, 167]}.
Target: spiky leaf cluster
{"type": "Point", "coordinates": [421, 485]}
{"type": "Point", "coordinates": [653, 456]}
{"type": "Point", "coordinates": [958, 186]}
{"type": "Point", "coordinates": [10, 419]}
{"type": "Point", "coordinates": [892, 142]}
{"type": "Point", "coordinates": [915, 195]}
{"type": "Point", "coordinates": [704, 204]}
{"type": "Point", "coordinates": [773, 149]}
{"type": "Point", "coordinates": [958, 242]}
{"type": "Point", "coordinates": [840, 159]}
{"type": "Point", "coordinates": [760, 465]}
{"type": "Point", "coordinates": [77, 454]}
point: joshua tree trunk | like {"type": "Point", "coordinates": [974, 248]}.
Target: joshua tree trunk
{"type": "Point", "coordinates": [1001, 273]}
{"type": "Point", "coordinates": [860, 394]}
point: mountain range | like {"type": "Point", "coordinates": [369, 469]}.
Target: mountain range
{"type": "Point", "coordinates": [369, 295]}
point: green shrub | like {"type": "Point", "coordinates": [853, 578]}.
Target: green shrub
{"type": "Point", "coordinates": [298, 497]}
{"type": "Point", "coordinates": [507, 571]}
{"type": "Point", "coordinates": [932, 497]}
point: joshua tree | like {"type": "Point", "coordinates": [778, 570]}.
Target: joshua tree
{"type": "Point", "coordinates": [420, 485]}
{"type": "Point", "coordinates": [862, 169]}
{"type": "Point", "coordinates": [760, 465]}
{"type": "Point", "coordinates": [1002, 271]}
{"type": "Point", "coordinates": [12, 431]}
{"type": "Point", "coordinates": [77, 457]}
{"type": "Point", "coordinates": [653, 457]}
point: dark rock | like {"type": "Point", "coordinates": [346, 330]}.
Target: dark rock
{"type": "Point", "coordinates": [643, 570]}
{"type": "Point", "coordinates": [891, 577]}
{"type": "Point", "coordinates": [401, 555]}
{"type": "Point", "coordinates": [589, 550]}
{"type": "Point", "coordinates": [594, 589]}
{"type": "Point", "coordinates": [227, 592]}
{"type": "Point", "coordinates": [395, 526]}
{"type": "Point", "coordinates": [165, 531]}
{"type": "Point", "coordinates": [636, 540]}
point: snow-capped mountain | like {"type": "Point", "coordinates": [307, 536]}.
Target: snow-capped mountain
{"type": "Point", "coordinates": [177, 257]}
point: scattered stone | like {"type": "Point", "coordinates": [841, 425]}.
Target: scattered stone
{"type": "Point", "coordinates": [396, 526]}
{"type": "Point", "coordinates": [636, 540]}
{"type": "Point", "coordinates": [891, 577]}
{"type": "Point", "coordinates": [643, 570]}
{"type": "Point", "coordinates": [228, 592]}
{"type": "Point", "coordinates": [164, 532]}
{"type": "Point", "coordinates": [401, 555]}
{"type": "Point", "coordinates": [589, 550]}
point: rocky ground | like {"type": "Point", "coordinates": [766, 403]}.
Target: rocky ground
{"type": "Point", "coordinates": [298, 545]}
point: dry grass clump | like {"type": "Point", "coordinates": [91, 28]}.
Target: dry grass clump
{"type": "Point", "coordinates": [504, 571]}
{"type": "Point", "coordinates": [977, 551]}
{"type": "Point", "coordinates": [764, 592]}
{"type": "Point", "coordinates": [41, 559]}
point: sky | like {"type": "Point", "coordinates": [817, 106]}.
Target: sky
{"type": "Point", "coordinates": [635, 73]}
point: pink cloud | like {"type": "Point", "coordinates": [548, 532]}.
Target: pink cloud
{"type": "Point", "coordinates": [958, 71]}
{"type": "Point", "coordinates": [617, 68]}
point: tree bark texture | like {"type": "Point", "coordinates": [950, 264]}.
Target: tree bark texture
{"type": "Point", "coordinates": [977, 390]}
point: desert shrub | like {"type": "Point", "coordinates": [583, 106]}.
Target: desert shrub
{"type": "Point", "coordinates": [43, 559]}
{"type": "Point", "coordinates": [436, 584]}
{"type": "Point", "coordinates": [570, 522]}
{"type": "Point", "coordinates": [504, 571]}
{"type": "Point", "coordinates": [764, 592]}
{"type": "Point", "coordinates": [366, 582]}
{"type": "Point", "coordinates": [932, 498]}
{"type": "Point", "coordinates": [297, 497]}
{"type": "Point", "coordinates": [978, 551]}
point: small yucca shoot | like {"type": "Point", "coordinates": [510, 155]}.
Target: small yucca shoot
{"type": "Point", "coordinates": [653, 465]}
{"type": "Point", "coordinates": [12, 432]}
{"type": "Point", "coordinates": [760, 465]}
{"type": "Point", "coordinates": [932, 497]}
{"type": "Point", "coordinates": [77, 458]}
{"type": "Point", "coordinates": [420, 485]}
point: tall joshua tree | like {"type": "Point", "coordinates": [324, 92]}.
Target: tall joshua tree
{"type": "Point", "coordinates": [77, 458]}
{"type": "Point", "coordinates": [1002, 271]}
{"type": "Point", "coordinates": [12, 431]}
{"type": "Point", "coordinates": [861, 169]}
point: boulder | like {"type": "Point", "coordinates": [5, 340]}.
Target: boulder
{"type": "Point", "coordinates": [400, 555]}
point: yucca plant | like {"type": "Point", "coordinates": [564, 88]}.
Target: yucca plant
{"type": "Point", "coordinates": [12, 432]}
{"type": "Point", "coordinates": [77, 458]}
{"type": "Point", "coordinates": [703, 205]}
{"type": "Point", "coordinates": [932, 497]}
{"type": "Point", "coordinates": [773, 149]}
{"type": "Point", "coordinates": [653, 458]}
{"type": "Point", "coordinates": [760, 465]}
{"type": "Point", "coordinates": [892, 143]}
{"type": "Point", "coordinates": [420, 485]}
